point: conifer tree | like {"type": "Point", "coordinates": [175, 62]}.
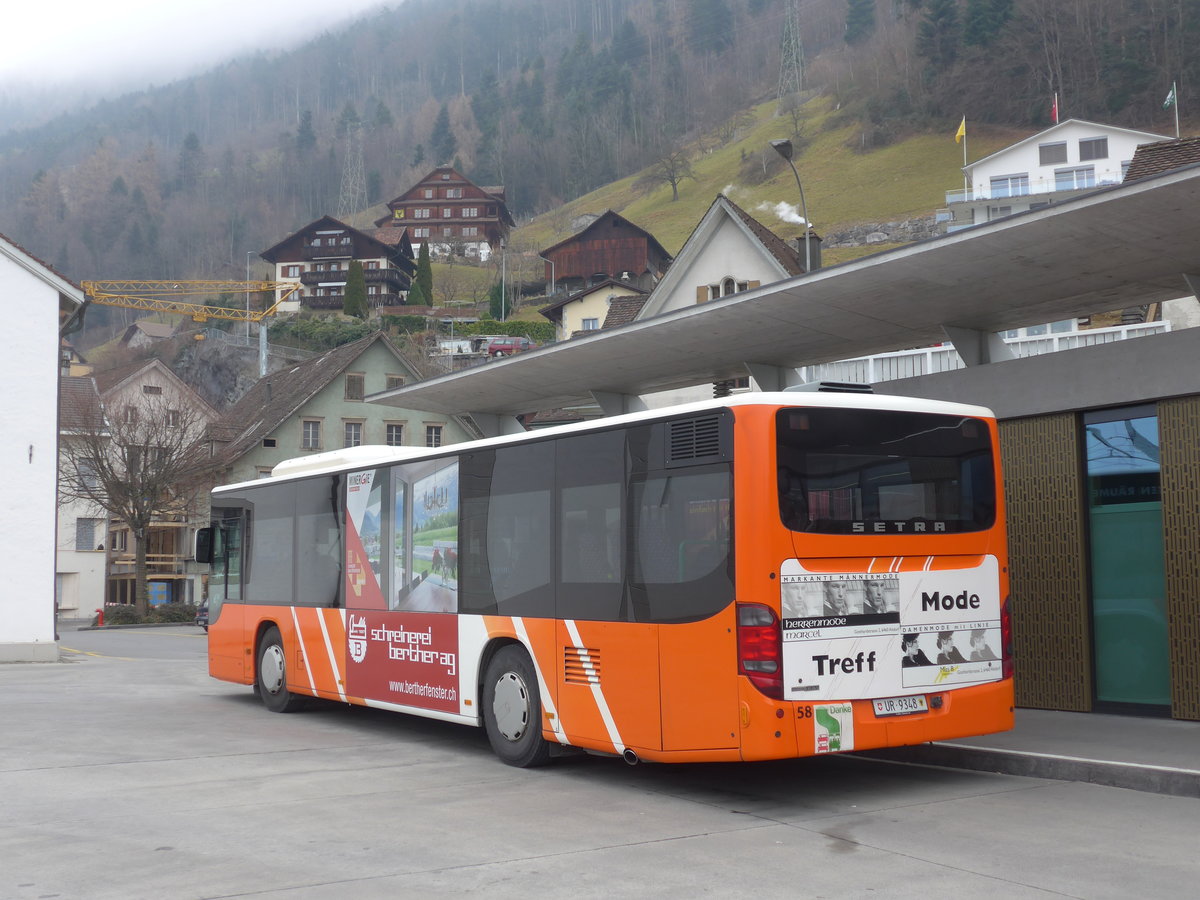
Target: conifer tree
{"type": "Point", "coordinates": [424, 276]}
{"type": "Point", "coordinates": [354, 300]}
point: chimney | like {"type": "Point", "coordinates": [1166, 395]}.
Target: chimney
{"type": "Point", "coordinates": [814, 248]}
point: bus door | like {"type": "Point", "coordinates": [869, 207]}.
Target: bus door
{"type": "Point", "coordinates": [226, 657]}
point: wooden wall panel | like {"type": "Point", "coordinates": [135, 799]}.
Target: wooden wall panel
{"type": "Point", "coordinates": [1048, 562]}
{"type": "Point", "coordinates": [1179, 437]}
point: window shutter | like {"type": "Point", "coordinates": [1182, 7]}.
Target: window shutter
{"type": "Point", "coordinates": [702, 293]}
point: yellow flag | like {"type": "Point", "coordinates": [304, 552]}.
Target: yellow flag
{"type": "Point", "coordinates": [962, 131]}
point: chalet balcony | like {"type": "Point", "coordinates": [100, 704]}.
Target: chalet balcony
{"type": "Point", "coordinates": [335, 301]}
{"type": "Point", "coordinates": [393, 278]}
{"type": "Point", "coordinates": [338, 252]}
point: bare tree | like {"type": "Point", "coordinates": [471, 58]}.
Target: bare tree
{"type": "Point", "coordinates": [672, 167]}
{"type": "Point", "coordinates": [142, 463]}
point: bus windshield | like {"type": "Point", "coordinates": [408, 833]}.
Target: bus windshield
{"type": "Point", "coordinates": [856, 471]}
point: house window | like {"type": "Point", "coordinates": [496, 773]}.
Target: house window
{"type": "Point", "coordinates": [998, 212]}
{"type": "Point", "coordinates": [291, 271]}
{"type": "Point", "coordinates": [395, 435]}
{"type": "Point", "coordinates": [151, 389]}
{"type": "Point", "coordinates": [269, 442]}
{"type": "Point", "coordinates": [591, 324]}
{"type": "Point", "coordinates": [331, 242]}
{"type": "Point", "coordinates": [447, 231]}
{"type": "Point", "coordinates": [728, 287]}
{"type": "Point", "coordinates": [421, 232]}
{"type": "Point", "coordinates": [85, 534]}
{"type": "Point", "coordinates": [311, 435]}
{"type": "Point", "coordinates": [445, 176]}
{"type": "Point", "coordinates": [470, 212]}
{"type": "Point", "coordinates": [447, 212]}
{"type": "Point", "coordinates": [345, 240]}
{"type": "Point", "coordinates": [320, 267]}
{"type": "Point", "coordinates": [1052, 154]}
{"type": "Point", "coordinates": [355, 386]}
{"type": "Point", "coordinates": [1074, 179]}
{"type": "Point", "coordinates": [1093, 148]}
{"type": "Point", "coordinates": [453, 193]}
{"type": "Point", "coordinates": [428, 193]}
{"type": "Point", "coordinates": [395, 381]}
{"type": "Point", "coordinates": [373, 264]}
{"type": "Point", "coordinates": [86, 470]}
{"type": "Point", "coordinates": [1010, 185]}
{"type": "Point", "coordinates": [470, 231]}
{"type": "Point", "coordinates": [352, 433]}
{"type": "Point", "coordinates": [372, 290]}
{"type": "Point", "coordinates": [421, 213]}
{"type": "Point", "coordinates": [262, 471]}
{"type": "Point", "coordinates": [433, 435]}
{"type": "Point", "coordinates": [174, 418]}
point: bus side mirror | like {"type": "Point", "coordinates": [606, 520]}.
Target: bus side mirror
{"type": "Point", "coordinates": [204, 545]}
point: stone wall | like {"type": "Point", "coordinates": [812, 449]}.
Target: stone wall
{"type": "Point", "coordinates": [884, 233]}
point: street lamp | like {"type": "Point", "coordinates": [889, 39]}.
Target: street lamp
{"type": "Point", "coordinates": [784, 149]}
{"type": "Point", "coordinates": [249, 253]}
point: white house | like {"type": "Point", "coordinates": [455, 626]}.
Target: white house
{"type": "Point", "coordinates": [728, 252]}
{"type": "Point", "coordinates": [587, 310]}
{"type": "Point", "coordinates": [82, 527]}
{"type": "Point", "coordinates": [1052, 165]}
{"type": "Point", "coordinates": [39, 299]}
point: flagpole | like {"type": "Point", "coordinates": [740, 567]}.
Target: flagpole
{"type": "Point", "coordinates": [966, 189]}
{"type": "Point", "coordinates": [1175, 94]}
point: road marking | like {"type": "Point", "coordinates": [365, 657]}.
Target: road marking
{"type": "Point", "coordinates": [94, 653]}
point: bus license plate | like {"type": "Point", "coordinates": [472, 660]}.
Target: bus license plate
{"type": "Point", "coordinates": [900, 706]}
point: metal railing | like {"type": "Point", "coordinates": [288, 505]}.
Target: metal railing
{"type": "Point", "coordinates": [944, 358]}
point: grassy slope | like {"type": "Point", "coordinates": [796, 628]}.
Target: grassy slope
{"type": "Point", "coordinates": [842, 187]}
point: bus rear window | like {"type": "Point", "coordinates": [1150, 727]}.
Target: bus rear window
{"type": "Point", "coordinates": [863, 471]}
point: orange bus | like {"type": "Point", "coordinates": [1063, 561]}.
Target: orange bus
{"type": "Point", "coordinates": [763, 576]}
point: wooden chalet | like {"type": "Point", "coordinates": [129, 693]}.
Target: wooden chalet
{"type": "Point", "coordinates": [611, 247]}
{"type": "Point", "coordinates": [451, 213]}
{"type": "Point", "coordinates": [318, 257]}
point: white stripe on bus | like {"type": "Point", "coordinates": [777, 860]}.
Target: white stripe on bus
{"type": "Point", "coordinates": [337, 676]}
{"type": "Point", "coordinates": [598, 692]}
{"type": "Point", "coordinates": [547, 701]}
{"type": "Point", "coordinates": [304, 650]}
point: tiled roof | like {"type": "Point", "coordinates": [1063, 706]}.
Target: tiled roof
{"type": "Point", "coordinates": [78, 403]}
{"type": "Point", "coordinates": [790, 259]}
{"type": "Point", "coordinates": [273, 399]}
{"type": "Point", "coordinates": [1154, 159]}
{"type": "Point", "coordinates": [624, 310]}
{"type": "Point", "coordinates": [110, 378]}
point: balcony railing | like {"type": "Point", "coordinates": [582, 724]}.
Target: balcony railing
{"type": "Point", "coordinates": [944, 358]}
{"type": "Point", "coordinates": [339, 252]}
{"type": "Point", "coordinates": [392, 277]}
{"type": "Point", "coordinates": [1034, 188]}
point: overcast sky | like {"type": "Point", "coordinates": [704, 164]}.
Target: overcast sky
{"type": "Point", "coordinates": [133, 43]}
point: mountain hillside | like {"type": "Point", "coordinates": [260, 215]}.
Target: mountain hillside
{"type": "Point", "coordinates": [557, 99]}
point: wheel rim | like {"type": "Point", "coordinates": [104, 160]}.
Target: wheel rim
{"type": "Point", "coordinates": [510, 706]}
{"type": "Point", "coordinates": [271, 669]}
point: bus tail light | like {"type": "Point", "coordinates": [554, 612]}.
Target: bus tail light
{"type": "Point", "coordinates": [1006, 640]}
{"type": "Point", "coordinates": [760, 648]}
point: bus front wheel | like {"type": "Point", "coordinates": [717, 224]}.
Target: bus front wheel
{"type": "Point", "coordinates": [270, 680]}
{"type": "Point", "coordinates": [512, 709]}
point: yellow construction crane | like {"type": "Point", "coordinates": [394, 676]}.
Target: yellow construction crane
{"type": "Point", "coordinates": [187, 297]}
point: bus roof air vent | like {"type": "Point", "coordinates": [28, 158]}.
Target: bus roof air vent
{"type": "Point", "coordinates": [833, 387]}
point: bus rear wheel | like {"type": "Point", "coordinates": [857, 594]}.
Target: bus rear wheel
{"type": "Point", "coordinates": [512, 709]}
{"type": "Point", "coordinates": [270, 681]}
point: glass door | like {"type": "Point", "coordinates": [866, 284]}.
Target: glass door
{"type": "Point", "coordinates": [1129, 621]}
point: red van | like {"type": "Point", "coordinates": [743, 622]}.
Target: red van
{"type": "Point", "coordinates": [506, 346]}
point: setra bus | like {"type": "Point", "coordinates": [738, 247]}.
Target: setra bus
{"type": "Point", "coordinates": [763, 576]}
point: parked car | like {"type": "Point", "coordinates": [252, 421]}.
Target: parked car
{"type": "Point", "coordinates": [506, 346]}
{"type": "Point", "coordinates": [202, 615]}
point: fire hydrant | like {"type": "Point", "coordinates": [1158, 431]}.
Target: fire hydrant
{"type": "Point", "coordinates": [100, 616]}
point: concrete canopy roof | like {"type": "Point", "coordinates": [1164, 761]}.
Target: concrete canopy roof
{"type": "Point", "coordinates": [1122, 246]}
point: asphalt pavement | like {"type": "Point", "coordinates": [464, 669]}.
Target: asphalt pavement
{"type": "Point", "coordinates": [126, 772]}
